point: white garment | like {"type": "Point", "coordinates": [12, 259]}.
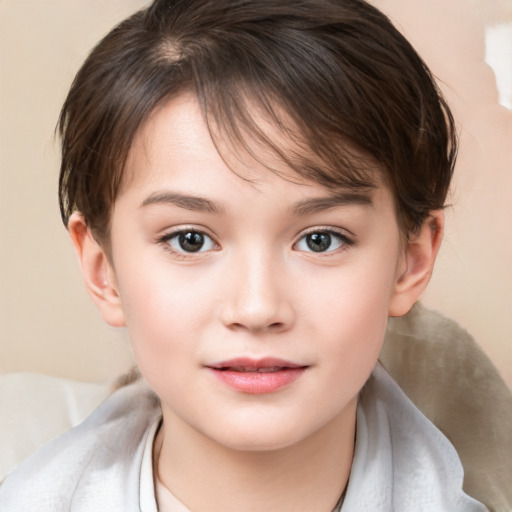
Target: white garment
{"type": "Point", "coordinates": [402, 462]}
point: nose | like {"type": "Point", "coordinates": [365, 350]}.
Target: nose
{"type": "Point", "coordinates": [257, 298]}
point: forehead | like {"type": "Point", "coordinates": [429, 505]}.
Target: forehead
{"type": "Point", "coordinates": [179, 135]}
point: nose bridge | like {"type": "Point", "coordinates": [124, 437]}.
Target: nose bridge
{"type": "Point", "coordinates": [257, 298]}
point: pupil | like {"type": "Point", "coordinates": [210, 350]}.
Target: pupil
{"type": "Point", "coordinates": [191, 241]}
{"type": "Point", "coordinates": [319, 242]}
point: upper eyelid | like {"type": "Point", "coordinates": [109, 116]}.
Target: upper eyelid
{"type": "Point", "coordinates": [174, 231]}
{"type": "Point", "coordinates": [327, 229]}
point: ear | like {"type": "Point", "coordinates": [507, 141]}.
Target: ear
{"type": "Point", "coordinates": [417, 265]}
{"type": "Point", "coordinates": [97, 271]}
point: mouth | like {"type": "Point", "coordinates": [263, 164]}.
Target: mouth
{"type": "Point", "coordinates": [247, 369]}
{"type": "Point", "coordinates": [257, 376]}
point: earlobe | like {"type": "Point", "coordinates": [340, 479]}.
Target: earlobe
{"type": "Point", "coordinates": [419, 257]}
{"type": "Point", "coordinates": [97, 271]}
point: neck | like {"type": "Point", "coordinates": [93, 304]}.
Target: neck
{"type": "Point", "coordinates": [308, 475]}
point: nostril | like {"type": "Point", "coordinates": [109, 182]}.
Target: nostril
{"type": "Point", "coordinates": [275, 326]}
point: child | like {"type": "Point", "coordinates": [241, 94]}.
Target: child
{"type": "Point", "coordinates": [252, 188]}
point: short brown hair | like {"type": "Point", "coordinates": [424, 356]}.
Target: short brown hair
{"type": "Point", "coordinates": [337, 69]}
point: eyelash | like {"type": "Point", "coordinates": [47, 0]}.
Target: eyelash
{"type": "Point", "coordinates": [344, 241]}
{"type": "Point", "coordinates": [166, 241]}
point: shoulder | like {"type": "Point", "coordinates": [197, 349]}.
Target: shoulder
{"type": "Point", "coordinates": [402, 461]}
{"type": "Point", "coordinates": [102, 453]}
{"type": "Point", "coordinates": [445, 373]}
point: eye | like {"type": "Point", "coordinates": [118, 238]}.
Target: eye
{"type": "Point", "coordinates": [189, 241]}
{"type": "Point", "coordinates": [322, 241]}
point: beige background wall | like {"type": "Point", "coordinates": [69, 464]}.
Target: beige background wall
{"type": "Point", "coordinates": [47, 323]}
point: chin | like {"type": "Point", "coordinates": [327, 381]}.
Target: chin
{"type": "Point", "coordinates": [260, 436]}
{"type": "Point", "coordinates": [259, 443]}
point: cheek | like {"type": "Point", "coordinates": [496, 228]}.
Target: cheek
{"type": "Point", "coordinates": [354, 314]}
{"type": "Point", "coordinates": [164, 313]}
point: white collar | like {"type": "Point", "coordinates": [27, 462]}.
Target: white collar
{"type": "Point", "coordinates": [402, 462]}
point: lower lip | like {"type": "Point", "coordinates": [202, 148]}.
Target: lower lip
{"type": "Point", "coordinates": [258, 382]}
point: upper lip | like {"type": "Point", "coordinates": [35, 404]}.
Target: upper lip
{"type": "Point", "coordinates": [250, 364]}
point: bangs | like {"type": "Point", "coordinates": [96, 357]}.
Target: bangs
{"type": "Point", "coordinates": [247, 123]}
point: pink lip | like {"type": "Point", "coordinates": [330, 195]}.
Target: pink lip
{"type": "Point", "coordinates": [257, 376]}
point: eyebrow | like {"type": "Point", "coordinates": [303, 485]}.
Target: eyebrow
{"type": "Point", "coordinates": [302, 208]}
{"type": "Point", "coordinates": [188, 202]}
{"type": "Point", "coordinates": [334, 200]}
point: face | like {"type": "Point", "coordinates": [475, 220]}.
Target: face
{"type": "Point", "coordinates": [256, 306]}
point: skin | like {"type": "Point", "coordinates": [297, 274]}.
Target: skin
{"type": "Point", "coordinates": [254, 289]}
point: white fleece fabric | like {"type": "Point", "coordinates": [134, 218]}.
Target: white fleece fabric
{"type": "Point", "coordinates": [402, 461]}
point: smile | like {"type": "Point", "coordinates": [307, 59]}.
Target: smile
{"type": "Point", "coordinates": [257, 376]}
